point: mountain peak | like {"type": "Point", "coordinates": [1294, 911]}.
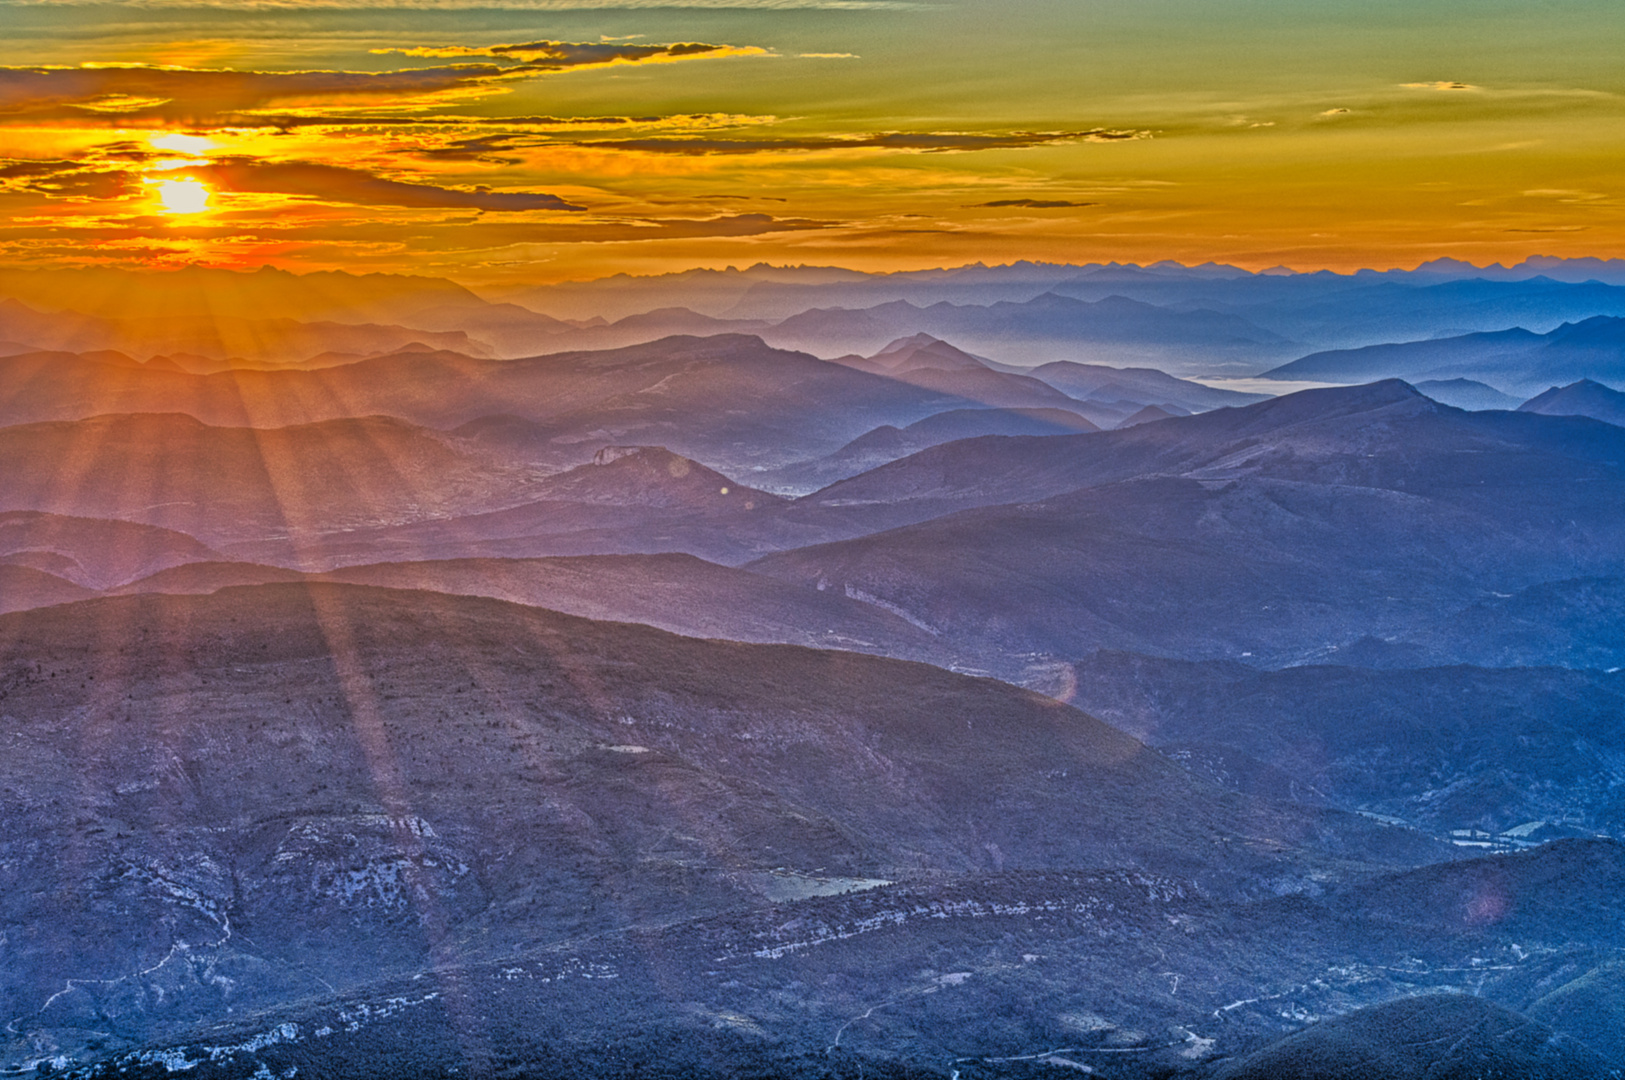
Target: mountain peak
{"type": "Point", "coordinates": [609, 455]}
{"type": "Point", "coordinates": [1587, 397]}
{"type": "Point", "coordinates": [645, 475]}
{"type": "Point", "coordinates": [1371, 395]}
{"type": "Point", "coordinates": [913, 341]}
{"type": "Point", "coordinates": [924, 351]}
{"type": "Point", "coordinates": [1148, 414]}
{"type": "Point", "coordinates": [1600, 330]}
{"type": "Point", "coordinates": [1394, 396]}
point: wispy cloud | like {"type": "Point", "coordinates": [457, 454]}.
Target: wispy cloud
{"type": "Point", "coordinates": [1441, 84]}
{"type": "Point", "coordinates": [927, 142]}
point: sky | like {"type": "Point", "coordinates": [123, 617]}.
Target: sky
{"type": "Point", "coordinates": [544, 140]}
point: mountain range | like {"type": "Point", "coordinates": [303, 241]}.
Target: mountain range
{"type": "Point", "coordinates": [560, 697]}
{"type": "Point", "coordinates": [1278, 531]}
{"type": "Point", "coordinates": [1191, 320]}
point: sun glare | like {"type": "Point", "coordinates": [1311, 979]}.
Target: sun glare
{"type": "Point", "coordinates": [183, 196]}
{"type": "Point", "coordinates": [182, 144]}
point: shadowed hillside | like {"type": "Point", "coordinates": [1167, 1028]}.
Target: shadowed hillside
{"type": "Point", "coordinates": [367, 782]}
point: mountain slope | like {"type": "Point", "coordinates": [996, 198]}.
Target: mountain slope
{"type": "Point", "coordinates": [367, 783]}
{"type": "Point", "coordinates": [1444, 748]}
{"type": "Point", "coordinates": [678, 593]}
{"type": "Point", "coordinates": [1443, 1036]}
{"type": "Point", "coordinates": [1572, 622]}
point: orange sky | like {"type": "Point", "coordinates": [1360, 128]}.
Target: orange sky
{"type": "Point", "coordinates": [545, 140]}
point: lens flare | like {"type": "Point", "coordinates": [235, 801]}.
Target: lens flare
{"type": "Point", "coordinates": [183, 196]}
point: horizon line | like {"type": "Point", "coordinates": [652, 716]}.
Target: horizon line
{"type": "Point", "coordinates": [1278, 270]}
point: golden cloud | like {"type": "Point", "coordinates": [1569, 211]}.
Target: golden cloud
{"type": "Point", "coordinates": [428, 236]}
{"type": "Point", "coordinates": [185, 95]}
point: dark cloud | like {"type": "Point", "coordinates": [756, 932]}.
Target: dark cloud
{"type": "Point", "coordinates": [494, 149]}
{"type": "Point", "coordinates": [500, 138]}
{"type": "Point", "coordinates": [929, 142]}
{"type": "Point", "coordinates": [293, 121]}
{"type": "Point", "coordinates": [1032, 204]}
{"type": "Point", "coordinates": [334, 183]}
{"type": "Point", "coordinates": [564, 55]}
{"type": "Point", "coordinates": [65, 180]}
{"type": "Point", "coordinates": [497, 146]}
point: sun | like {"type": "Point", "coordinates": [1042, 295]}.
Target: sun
{"type": "Point", "coordinates": [183, 196]}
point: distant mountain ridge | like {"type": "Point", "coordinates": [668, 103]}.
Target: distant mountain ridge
{"type": "Point", "coordinates": [1466, 394]}
{"type": "Point", "coordinates": [769, 292]}
{"type": "Point", "coordinates": [1114, 327]}
{"type": "Point", "coordinates": [730, 400]}
{"type": "Point", "coordinates": [1516, 358]}
{"type": "Point", "coordinates": [207, 343]}
{"type": "Point", "coordinates": [1194, 320]}
{"type": "Point", "coordinates": [1280, 531]}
